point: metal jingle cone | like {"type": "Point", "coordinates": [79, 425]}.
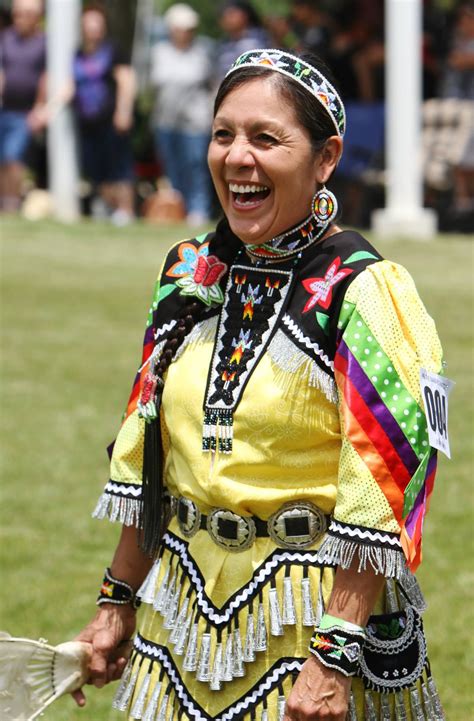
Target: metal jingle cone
{"type": "Point", "coordinates": [138, 706]}
{"type": "Point", "coordinates": [147, 590]}
{"type": "Point", "coordinates": [123, 685]}
{"type": "Point", "coordinates": [351, 711]}
{"type": "Point", "coordinates": [180, 620]}
{"type": "Point", "coordinates": [121, 701]}
{"type": "Point", "coordinates": [417, 713]}
{"type": "Point", "coordinates": [413, 595]}
{"type": "Point", "coordinates": [400, 710]}
{"type": "Point", "coordinates": [150, 711]}
{"type": "Point", "coordinates": [261, 636]}
{"type": "Point", "coordinates": [307, 613]}
{"type": "Point", "coordinates": [320, 604]}
{"type": "Point", "coordinates": [391, 601]}
{"type": "Point", "coordinates": [250, 640]}
{"type": "Point", "coordinates": [276, 623]}
{"type": "Point", "coordinates": [289, 610]}
{"type": "Point", "coordinates": [435, 699]}
{"type": "Point", "coordinates": [190, 659]}
{"type": "Point", "coordinates": [172, 612]}
{"type": "Point", "coordinates": [370, 712]}
{"type": "Point", "coordinates": [217, 670]}
{"type": "Point", "coordinates": [264, 715]}
{"type": "Point", "coordinates": [163, 712]}
{"type": "Point", "coordinates": [281, 705]}
{"type": "Point", "coordinates": [427, 702]}
{"type": "Point", "coordinates": [160, 594]}
{"type": "Point", "coordinates": [238, 668]}
{"type": "Point", "coordinates": [180, 645]}
{"type": "Point", "coordinates": [203, 671]}
{"type": "Point", "coordinates": [227, 674]}
{"type": "Point", "coordinates": [168, 598]}
{"type": "Point", "coordinates": [385, 711]}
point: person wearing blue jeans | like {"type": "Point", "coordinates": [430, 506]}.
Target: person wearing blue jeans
{"type": "Point", "coordinates": [23, 95]}
{"type": "Point", "coordinates": [182, 75]}
{"type": "Point", "coordinates": [183, 155]}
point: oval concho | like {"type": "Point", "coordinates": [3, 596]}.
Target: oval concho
{"type": "Point", "coordinates": [231, 531]}
{"type": "Point", "coordinates": [297, 525]}
{"type": "Point", "coordinates": [394, 651]}
{"type": "Point", "coordinates": [189, 516]}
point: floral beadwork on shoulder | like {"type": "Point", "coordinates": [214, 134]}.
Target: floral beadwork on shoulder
{"type": "Point", "coordinates": [198, 273]}
{"type": "Point", "coordinates": [321, 288]}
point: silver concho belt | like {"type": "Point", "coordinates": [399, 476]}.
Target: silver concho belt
{"type": "Point", "coordinates": [295, 525]}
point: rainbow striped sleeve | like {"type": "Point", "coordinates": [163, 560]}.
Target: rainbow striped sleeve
{"type": "Point", "coordinates": [387, 466]}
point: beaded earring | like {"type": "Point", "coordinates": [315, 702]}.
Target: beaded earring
{"type": "Point", "coordinates": [324, 206]}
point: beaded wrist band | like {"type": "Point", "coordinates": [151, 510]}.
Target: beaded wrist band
{"type": "Point", "coordinates": [117, 592]}
{"type": "Point", "coordinates": [338, 644]}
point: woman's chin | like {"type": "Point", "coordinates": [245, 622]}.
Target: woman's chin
{"type": "Point", "coordinates": [251, 231]}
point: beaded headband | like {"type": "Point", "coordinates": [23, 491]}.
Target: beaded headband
{"type": "Point", "coordinates": [303, 73]}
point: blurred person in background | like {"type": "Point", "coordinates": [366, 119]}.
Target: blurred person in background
{"type": "Point", "coordinates": [23, 94]}
{"type": "Point", "coordinates": [181, 74]}
{"type": "Point", "coordinates": [458, 82]}
{"type": "Point", "coordinates": [356, 51]}
{"type": "Point", "coordinates": [311, 25]}
{"type": "Point", "coordinates": [458, 77]}
{"type": "Point", "coordinates": [104, 94]}
{"type": "Point", "coordinates": [243, 31]}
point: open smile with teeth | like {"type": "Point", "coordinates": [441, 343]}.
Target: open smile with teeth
{"type": "Point", "coordinates": [248, 195]}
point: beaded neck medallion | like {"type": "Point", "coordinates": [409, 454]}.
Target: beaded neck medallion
{"type": "Point", "coordinates": [289, 244]}
{"type": "Point", "coordinates": [255, 299]}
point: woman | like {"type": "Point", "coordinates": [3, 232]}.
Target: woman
{"type": "Point", "coordinates": [291, 454]}
{"type": "Point", "coordinates": [183, 109]}
{"type": "Point", "coordinates": [104, 94]}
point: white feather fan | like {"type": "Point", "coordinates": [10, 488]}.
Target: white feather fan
{"type": "Point", "coordinates": [33, 674]}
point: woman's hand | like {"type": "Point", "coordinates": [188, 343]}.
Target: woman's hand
{"type": "Point", "coordinates": [108, 634]}
{"type": "Point", "coordinates": [319, 694]}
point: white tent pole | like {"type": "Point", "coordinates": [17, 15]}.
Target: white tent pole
{"type": "Point", "coordinates": [62, 35]}
{"type": "Point", "coordinates": [404, 214]}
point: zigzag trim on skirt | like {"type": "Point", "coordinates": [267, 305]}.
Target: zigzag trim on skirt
{"type": "Point", "coordinates": [222, 616]}
{"type": "Point", "coordinates": [269, 681]}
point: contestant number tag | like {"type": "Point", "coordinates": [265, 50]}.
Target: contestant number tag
{"type": "Point", "coordinates": [435, 390]}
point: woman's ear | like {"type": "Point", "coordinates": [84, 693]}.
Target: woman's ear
{"type": "Point", "coordinates": [328, 159]}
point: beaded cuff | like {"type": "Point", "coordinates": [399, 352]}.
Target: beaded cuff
{"type": "Point", "coordinates": [338, 648]}
{"type": "Point", "coordinates": [117, 592]}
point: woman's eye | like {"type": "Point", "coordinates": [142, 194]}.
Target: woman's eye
{"type": "Point", "coordinates": [266, 138]}
{"type": "Point", "coordinates": [221, 134]}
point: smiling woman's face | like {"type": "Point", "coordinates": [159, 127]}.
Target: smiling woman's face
{"type": "Point", "coordinates": [262, 163]}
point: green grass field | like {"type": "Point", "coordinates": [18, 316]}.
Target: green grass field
{"type": "Point", "coordinates": [73, 306]}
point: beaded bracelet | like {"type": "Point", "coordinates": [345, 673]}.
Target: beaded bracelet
{"type": "Point", "coordinates": [338, 644]}
{"type": "Point", "coordinates": [117, 592]}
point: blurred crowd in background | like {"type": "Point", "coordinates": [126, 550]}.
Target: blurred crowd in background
{"type": "Point", "coordinates": [142, 133]}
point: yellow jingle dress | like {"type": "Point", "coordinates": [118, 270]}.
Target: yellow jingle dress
{"type": "Point", "coordinates": [330, 421]}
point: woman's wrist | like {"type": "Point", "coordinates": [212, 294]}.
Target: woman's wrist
{"type": "Point", "coordinates": [337, 644]}
{"type": "Point", "coordinates": [117, 592]}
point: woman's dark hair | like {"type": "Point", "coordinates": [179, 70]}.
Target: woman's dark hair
{"type": "Point", "coordinates": [309, 111]}
{"type": "Point", "coordinates": [154, 515]}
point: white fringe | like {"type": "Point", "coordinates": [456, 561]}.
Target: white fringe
{"type": "Point", "coordinates": [341, 552]}
{"type": "Point", "coordinates": [203, 332]}
{"type": "Point", "coordinates": [125, 510]}
{"type": "Point", "coordinates": [289, 358]}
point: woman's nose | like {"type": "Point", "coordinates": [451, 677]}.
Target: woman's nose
{"type": "Point", "coordinates": [239, 154]}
